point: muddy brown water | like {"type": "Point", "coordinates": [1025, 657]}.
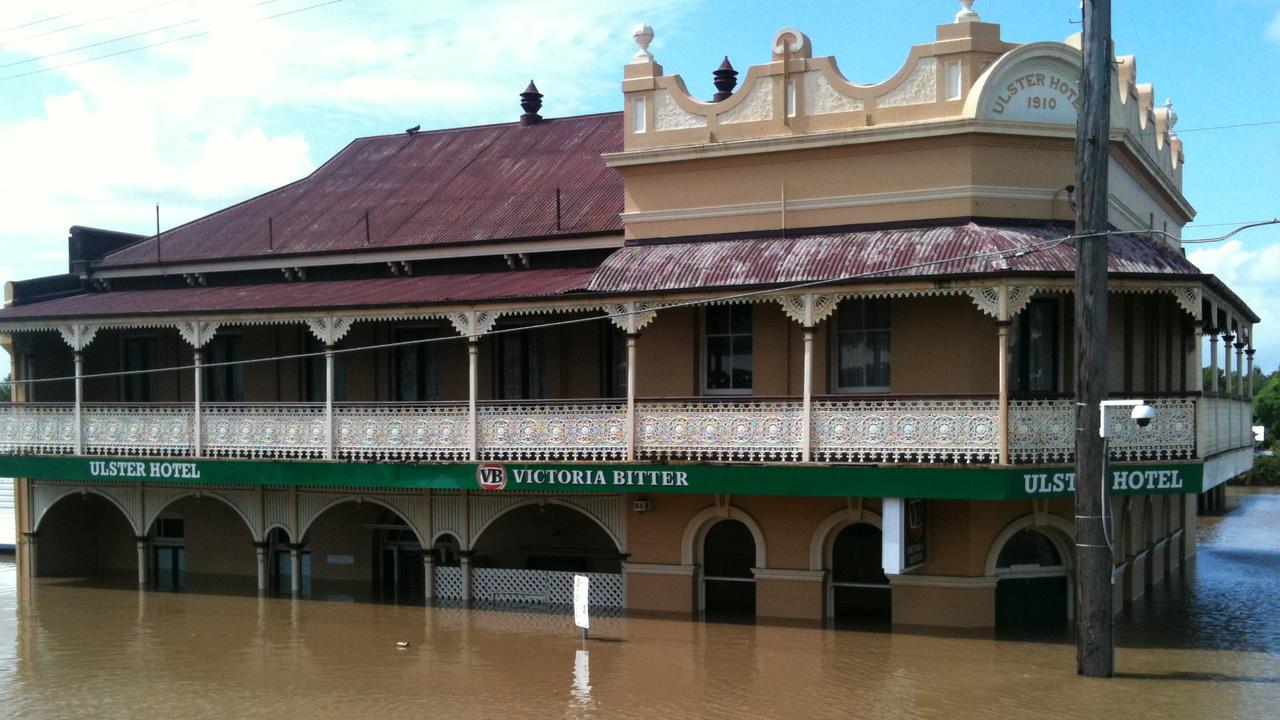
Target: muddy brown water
{"type": "Point", "coordinates": [1206, 644]}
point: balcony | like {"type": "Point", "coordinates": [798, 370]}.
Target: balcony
{"type": "Point", "coordinates": [755, 430]}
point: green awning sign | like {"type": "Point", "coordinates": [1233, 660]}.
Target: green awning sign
{"type": "Point", "coordinates": [968, 482]}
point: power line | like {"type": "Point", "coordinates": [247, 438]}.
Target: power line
{"type": "Point", "coordinates": [33, 22]}
{"type": "Point", "coordinates": [88, 22]}
{"type": "Point", "coordinates": [122, 37]}
{"type": "Point", "coordinates": [202, 33]}
{"type": "Point", "coordinates": [745, 295]}
{"type": "Point", "coordinates": [1228, 127]}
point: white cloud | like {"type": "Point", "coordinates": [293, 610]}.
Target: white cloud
{"type": "Point", "coordinates": [1273, 29]}
{"type": "Point", "coordinates": [199, 124]}
{"type": "Point", "coordinates": [1251, 273]}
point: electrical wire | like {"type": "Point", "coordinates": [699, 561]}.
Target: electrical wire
{"type": "Point", "coordinates": [148, 46]}
{"type": "Point", "coordinates": [1005, 254]}
{"type": "Point", "coordinates": [697, 302]}
{"type": "Point", "coordinates": [87, 22]}
{"type": "Point", "coordinates": [68, 51]}
{"type": "Point", "coordinates": [33, 22]}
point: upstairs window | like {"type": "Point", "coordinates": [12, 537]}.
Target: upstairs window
{"type": "Point", "coordinates": [138, 352]}
{"type": "Point", "coordinates": [861, 341]}
{"type": "Point", "coordinates": [613, 380]}
{"type": "Point", "coordinates": [518, 364]}
{"type": "Point", "coordinates": [224, 383]}
{"type": "Point", "coordinates": [417, 376]}
{"type": "Point", "coordinates": [1034, 347]}
{"type": "Point", "coordinates": [727, 349]}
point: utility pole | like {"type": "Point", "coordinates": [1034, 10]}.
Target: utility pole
{"type": "Point", "coordinates": [1095, 645]}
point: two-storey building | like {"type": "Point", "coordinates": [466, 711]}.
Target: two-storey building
{"type": "Point", "coordinates": [803, 349]}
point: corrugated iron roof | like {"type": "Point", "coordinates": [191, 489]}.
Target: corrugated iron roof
{"type": "Point", "coordinates": [316, 295]}
{"type": "Point", "coordinates": [692, 264]}
{"type": "Point", "coordinates": [893, 253]}
{"type": "Point", "coordinates": [461, 185]}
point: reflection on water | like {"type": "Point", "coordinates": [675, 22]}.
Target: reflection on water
{"type": "Point", "coordinates": [1206, 645]}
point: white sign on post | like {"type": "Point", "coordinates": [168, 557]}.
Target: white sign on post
{"type": "Point", "coordinates": [581, 589]}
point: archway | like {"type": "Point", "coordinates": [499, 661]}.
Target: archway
{"type": "Point", "coordinates": [1033, 587]}
{"type": "Point", "coordinates": [530, 553]}
{"type": "Point", "coordinates": [859, 586]}
{"type": "Point", "coordinates": [201, 543]}
{"type": "Point", "coordinates": [85, 534]}
{"type": "Point", "coordinates": [728, 556]}
{"type": "Point", "coordinates": [360, 549]}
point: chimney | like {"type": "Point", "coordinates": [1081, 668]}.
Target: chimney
{"type": "Point", "coordinates": [531, 102]}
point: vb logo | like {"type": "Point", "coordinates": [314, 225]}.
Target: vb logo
{"type": "Point", "coordinates": [491, 476]}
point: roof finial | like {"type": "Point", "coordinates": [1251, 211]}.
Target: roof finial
{"type": "Point", "coordinates": [643, 35]}
{"type": "Point", "coordinates": [726, 78]}
{"type": "Point", "coordinates": [531, 102]}
{"type": "Point", "coordinates": [1173, 116]}
{"type": "Point", "coordinates": [967, 14]}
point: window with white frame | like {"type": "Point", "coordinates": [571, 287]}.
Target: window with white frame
{"type": "Point", "coordinates": [726, 349]}
{"type": "Point", "coordinates": [860, 341]}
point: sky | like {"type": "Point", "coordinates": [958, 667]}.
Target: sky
{"type": "Point", "coordinates": [234, 97]}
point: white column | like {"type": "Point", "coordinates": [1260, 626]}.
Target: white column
{"type": "Point", "coordinates": [1227, 337]}
{"type": "Point", "coordinates": [473, 394]}
{"type": "Point", "coordinates": [632, 339]}
{"type": "Point", "coordinates": [429, 575]}
{"type": "Point", "coordinates": [1240, 376]}
{"type": "Point", "coordinates": [806, 453]}
{"type": "Point", "coordinates": [329, 439]}
{"type": "Point", "coordinates": [465, 562]}
{"type": "Point", "coordinates": [261, 549]}
{"type": "Point", "coordinates": [893, 520]}
{"type": "Point", "coordinates": [141, 542]}
{"type": "Point", "coordinates": [197, 433]}
{"type": "Point", "coordinates": [295, 569]}
{"type": "Point", "coordinates": [1213, 361]}
{"type": "Point", "coordinates": [79, 410]}
{"type": "Point", "coordinates": [1248, 383]}
{"type": "Point", "coordinates": [1002, 364]}
{"type": "Point", "coordinates": [1196, 368]}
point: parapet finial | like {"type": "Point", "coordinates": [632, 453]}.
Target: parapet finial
{"type": "Point", "coordinates": [1173, 116]}
{"type": "Point", "coordinates": [967, 14]}
{"type": "Point", "coordinates": [726, 79]}
{"type": "Point", "coordinates": [643, 35]}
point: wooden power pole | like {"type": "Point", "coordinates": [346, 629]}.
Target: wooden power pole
{"type": "Point", "coordinates": [1095, 646]}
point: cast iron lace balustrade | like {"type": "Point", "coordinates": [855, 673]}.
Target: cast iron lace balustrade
{"type": "Point", "coordinates": [960, 431]}
{"type": "Point", "coordinates": [286, 430]}
{"type": "Point", "coordinates": [402, 431]}
{"type": "Point", "coordinates": [137, 429]}
{"type": "Point", "coordinates": [552, 430]}
{"type": "Point", "coordinates": [747, 430]}
{"type": "Point", "coordinates": [37, 429]}
{"type": "Point", "coordinates": [1044, 431]}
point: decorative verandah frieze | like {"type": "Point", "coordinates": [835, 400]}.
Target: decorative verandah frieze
{"type": "Point", "coordinates": [752, 430]}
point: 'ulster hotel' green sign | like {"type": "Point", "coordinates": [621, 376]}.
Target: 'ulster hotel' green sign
{"type": "Point", "coordinates": [934, 482]}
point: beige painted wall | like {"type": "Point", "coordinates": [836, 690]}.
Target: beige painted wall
{"type": "Point", "coordinates": [217, 540]}
{"type": "Point", "coordinates": [959, 607]}
{"type": "Point", "coordinates": [790, 599]}
{"type": "Point", "coordinates": [660, 593]}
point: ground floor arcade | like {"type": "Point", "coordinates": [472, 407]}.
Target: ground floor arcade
{"type": "Point", "coordinates": [971, 562]}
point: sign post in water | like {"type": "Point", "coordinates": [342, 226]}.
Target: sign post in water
{"type": "Point", "coordinates": [581, 589]}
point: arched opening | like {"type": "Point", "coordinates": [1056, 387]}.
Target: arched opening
{"type": "Point", "coordinates": [859, 587]}
{"type": "Point", "coordinates": [360, 550]}
{"type": "Point", "coordinates": [1032, 588]}
{"type": "Point", "coordinates": [86, 535]}
{"type": "Point", "coordinates": [728, 555]}
{"type": "Point", "coordinates": [280, 570]}
{"type": "Point", "coordinates": [201, 544]}
{"type": "Point", "coordinates": [530, 554]}
{"type": "Point", "coordinates": [446, 555]}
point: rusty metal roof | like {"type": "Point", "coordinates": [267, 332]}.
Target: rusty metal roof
{"type": "Point", "coordinates": [460, 185]}
{"type": "Point", "coordinates": [329, 295]}
{"type": "Point", "coordinates": [879, 254]}
{"type": "Point", "coordinates": [941, 252]}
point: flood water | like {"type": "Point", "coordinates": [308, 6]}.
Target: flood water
{"type": "Point", "coordinates": [1206, 644]}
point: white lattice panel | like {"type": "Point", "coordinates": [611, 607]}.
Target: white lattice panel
{"type": "Point", "coordinates": [37, 429]}
{"type": "Point", "coordinates": [744, 430]}
{"type": "Point", "coordinates": [542, 587]}
{"type": "Point", "coordinates": [402, 432]}
{"type": "Point", "coordinates": [906, 430]}
{"type": "Point", "coordinates": [448, 582]}
{"type": "Point", "coordinates": [137, 430]}
{"type": "Point", "coordinates": [287, 431]}
{"type": "Point", "coordinates": [553, 431]}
